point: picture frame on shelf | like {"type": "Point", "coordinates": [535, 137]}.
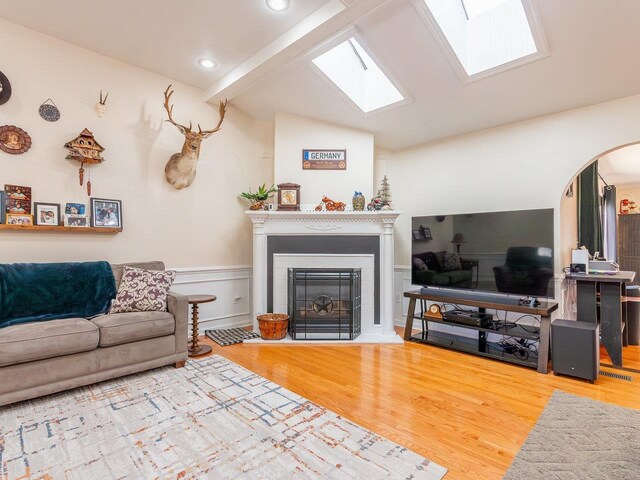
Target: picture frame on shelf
{"type": "Point", "coordinates": [416, 234]}
{"type": "Point", "coordinates": [79, 221]}
{"type": "Point", "coordinates": [106, 213]}
{"type": "Point", "coordinates": [74, 209]}
{"type": "Point", "coordinates": [17, 199]}
{"type": "Point", "coordinates": [25, 219]}
{"type": "Point", "coordinates": [425, 233]}
{"type": "Point", "coordinates": [46, 213]}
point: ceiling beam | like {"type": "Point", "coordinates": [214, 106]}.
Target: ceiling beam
{"type": "Point", "coordinates": [325, 22]}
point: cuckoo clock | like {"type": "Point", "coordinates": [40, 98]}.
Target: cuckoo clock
{"type": "Point", "coordinates": [85, 150]}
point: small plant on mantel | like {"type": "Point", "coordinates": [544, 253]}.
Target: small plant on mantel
{"type": "Point", "coordinates": [258, 198]}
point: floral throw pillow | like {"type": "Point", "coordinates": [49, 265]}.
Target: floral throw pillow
{"type": "Point", "coordinates": [143, 290]}
{"type": "Point", "coordinates": [452, 262]}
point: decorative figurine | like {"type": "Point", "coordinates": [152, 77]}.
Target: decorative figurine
{"type": "Point", "coordinates": [330, 205]}
{"type": "Point", "coordinates": [85, 150]}
{"type": "Point", "coordinates": [382, 201]}
{"type": "Point", "coordinates": [358, 201]}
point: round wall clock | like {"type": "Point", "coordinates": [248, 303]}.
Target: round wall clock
{"type": "Point", "coordinates": [14, 140]}
{"type": "Point", "coordinates": [49, 111]}
{"type": "Point", "coordinates": [5, 89]}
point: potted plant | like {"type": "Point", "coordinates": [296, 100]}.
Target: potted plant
{"type": "Point", "coordinates": [258, 198]}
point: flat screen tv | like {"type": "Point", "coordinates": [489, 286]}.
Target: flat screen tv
{"type": "Point", "coordinates": [505, 252]}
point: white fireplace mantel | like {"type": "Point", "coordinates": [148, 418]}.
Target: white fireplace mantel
{"type": "Point", "coordinates": [327, 224]}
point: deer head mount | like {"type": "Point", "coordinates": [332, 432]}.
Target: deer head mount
{"type": "Point", "coordinates": [180, 170]}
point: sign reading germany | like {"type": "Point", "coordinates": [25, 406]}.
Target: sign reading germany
{"type": "Point", "coordinates": [324, 159]}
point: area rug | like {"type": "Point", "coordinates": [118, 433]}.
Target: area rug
{"type": "Point", "coordinates": [230, 336]}
{"type": "Point", "coordinates": [211, 419]}
{"type": "Point", "coordinates": [578, 438]}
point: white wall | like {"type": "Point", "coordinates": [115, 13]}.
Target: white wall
{"type": "Point", "coordinates": [203, 225]}
{"type": "Point", "coordinates": [520, 166]}
{"type": "Point", "coordinates": [628, 190]}
{"type": "Point", "coordinates": [294, 133]}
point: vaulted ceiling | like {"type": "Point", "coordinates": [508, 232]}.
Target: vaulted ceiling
{"type": "Point", "coordinates": [264, 57]}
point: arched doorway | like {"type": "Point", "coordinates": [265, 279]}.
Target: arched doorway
{"type": "Point", "coordinates": [616, 169]}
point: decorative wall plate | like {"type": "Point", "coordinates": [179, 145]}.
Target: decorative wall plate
{"type": "Point", "coordinates": [14, 140]}
{"type": "Point", "coordinates": [49, 111]}
{"type": "Point", "coordinates": [5, 89]}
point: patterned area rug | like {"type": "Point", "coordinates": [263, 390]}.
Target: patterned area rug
{"type": "Point", "coordinates": [211, 419]}
{"type": "Point", "coordinates": [230, 336]}
{"type": "Point", "coordinates": [580, 439]}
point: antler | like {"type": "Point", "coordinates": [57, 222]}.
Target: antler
{"type": "Point", "coordinates": [169, 109]}
{"type": "Point", "coordinates": [222, 109]}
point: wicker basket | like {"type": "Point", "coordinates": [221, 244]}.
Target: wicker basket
{"type": "Point", "coordinates": [273, 326]}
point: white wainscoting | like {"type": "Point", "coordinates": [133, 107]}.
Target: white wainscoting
{"type": "Point", "coordinates": [232, 286]}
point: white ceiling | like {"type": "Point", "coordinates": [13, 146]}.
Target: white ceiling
{"type": "Point", "coordinates": [164, 36]}
{"type": "Point", "coordinates": [265, 61]}
{"type": "Point", "coordinates": [622, 166]}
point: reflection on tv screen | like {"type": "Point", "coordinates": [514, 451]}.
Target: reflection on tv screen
{"type": "Point", "coordinates": [506, 252]}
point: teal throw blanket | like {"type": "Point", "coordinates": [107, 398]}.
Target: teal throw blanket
{"type": "Point", "coordinates": [33, 292]}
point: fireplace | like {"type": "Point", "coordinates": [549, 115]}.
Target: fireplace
{"type": "Point", "coordinates": [324, 303]}
{"type": "Point", "coordinates": [336, 240]}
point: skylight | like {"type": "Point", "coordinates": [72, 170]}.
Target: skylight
{"type": "Point", "coordinates": [484, 34]}
{"type": "Point", "coordinates": [474, 8]}
{"type": "Point", "coordinates": [354, 72]}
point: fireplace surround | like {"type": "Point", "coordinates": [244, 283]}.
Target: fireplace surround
{"type": "Point", "coordinates": [309, 239]}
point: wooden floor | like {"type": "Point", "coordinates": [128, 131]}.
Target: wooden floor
{"type": "Point", "coordinates": [466, 413]}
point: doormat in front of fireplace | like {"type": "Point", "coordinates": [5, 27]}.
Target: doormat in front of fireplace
{"type": "Point", "coordinates": [230, 336]}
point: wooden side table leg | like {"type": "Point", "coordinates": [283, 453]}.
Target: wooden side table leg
{"type": "Point", "coordinates": [194, 330]}
{"type": "Point", "coordinates": [410, 313]}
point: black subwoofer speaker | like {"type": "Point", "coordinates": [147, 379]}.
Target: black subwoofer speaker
{"type": "Point", "coordinates": [575, 349]}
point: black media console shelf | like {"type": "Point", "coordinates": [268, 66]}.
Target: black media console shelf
{"type": "Point", "coordinates": [480, 345]}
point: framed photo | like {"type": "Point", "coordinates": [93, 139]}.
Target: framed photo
{"type": "Point", "coordinates": [19, 219]}
{"type": "Point", "coordinates": [416, 234]}
{"type": "Point", "coordinates": [289, 196]}
{"type": "Point", "coordinates": [46, 213]}
{"type": "Point", "coordinates": [76, 221]}
{"type": "Point", "coordinates": [74, 209]}
{"type": "Point", "coordinates": [106, 213]}
{"type": "Point", "coordinates": [426, 233]}
{"type": "Point", "coordinates": [18, 199]}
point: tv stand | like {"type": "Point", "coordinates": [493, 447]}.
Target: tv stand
{"type": "Point", "coordinates": [481, 345]}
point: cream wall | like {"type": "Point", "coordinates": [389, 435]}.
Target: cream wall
{"type": "Point", "coordinates": [201, 225]}
{"type": "Point", "coordinates": [519, 166]}
{"type": "Point", "coordinates": [630, 190]}
{"type": "Point", "coordinates": [294, 133]}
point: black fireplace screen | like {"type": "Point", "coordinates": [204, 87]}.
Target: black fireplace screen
{"type": "Point", "coordinates": [324, 304]}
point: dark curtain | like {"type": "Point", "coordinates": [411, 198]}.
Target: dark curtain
{"type": "Point", "coordinates": [589, 208]}
{"type": "Point", "coordinates": [610, 217]}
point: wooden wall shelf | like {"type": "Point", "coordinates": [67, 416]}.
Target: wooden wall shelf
{"type": "Point", "coordinates": [58, 228]}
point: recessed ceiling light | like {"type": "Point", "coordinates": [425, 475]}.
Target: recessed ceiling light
{"type": "Point", "coordinates": [207, 63]}
{"type": "Point", "coordinates": [278, 5]}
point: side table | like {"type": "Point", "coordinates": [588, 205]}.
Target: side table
{"type": "Point", "coordinates": [195, 349]}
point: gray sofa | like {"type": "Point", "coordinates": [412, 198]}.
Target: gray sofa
{"type": "Point", "coordinates": [40, 358]}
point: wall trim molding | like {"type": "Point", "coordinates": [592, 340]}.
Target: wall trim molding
{"type": "Point", "coordinates": [230, 284]}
